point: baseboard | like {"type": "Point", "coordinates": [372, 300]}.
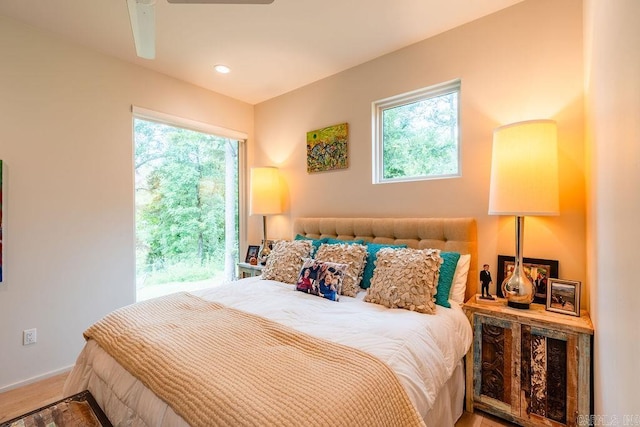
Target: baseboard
{"type": "Point", "coordinates": [35, 379]}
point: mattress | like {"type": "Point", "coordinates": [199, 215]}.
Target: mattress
{"type": "Point", "coordinates": [423, 350]}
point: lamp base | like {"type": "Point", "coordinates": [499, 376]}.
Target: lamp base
{"type": "Point", "coordinates": [518, 305]}
{"type": "Point", "coordinates": [264, 252]}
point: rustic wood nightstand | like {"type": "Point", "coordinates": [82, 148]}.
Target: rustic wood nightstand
{"type": "Point", "coordinates": [531, 367]}
{"type": "Point", "coordinates": [248, 270]}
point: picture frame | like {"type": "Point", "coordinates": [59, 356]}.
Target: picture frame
{"type": "Point", "coordinates": [533, 267]}
{"type": "Point", "coordinates": [252, 252]}
{"type": "Point", "coordinates": [564, 296]}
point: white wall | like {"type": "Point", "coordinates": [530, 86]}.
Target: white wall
{"type": "Point", "coordinates": [524, 62]}
{"type": "Point", "coordinates": [66, 140]}
{"type": "Point", "coordinates": [613, 112]}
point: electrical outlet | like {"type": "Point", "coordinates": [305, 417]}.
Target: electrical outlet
{"type": "Point", "coordinates": [29, 336]}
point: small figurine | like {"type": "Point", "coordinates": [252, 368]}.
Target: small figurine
{"type": "Point", "coordinates": [485, 279]}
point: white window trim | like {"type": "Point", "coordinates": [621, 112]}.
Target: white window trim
{"type": "Point", "coordinates": [378, 107]}
{"type": "Point", "coordinates": [156, 116]}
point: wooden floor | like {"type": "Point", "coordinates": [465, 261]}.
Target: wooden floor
{"type": "Point", "coordinates": [480, 419]}
{"type": "Point", "coordinates": [33, 396]}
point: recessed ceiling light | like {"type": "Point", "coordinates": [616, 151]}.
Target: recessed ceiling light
{"type": "Point", "coordinates": [222, 69]}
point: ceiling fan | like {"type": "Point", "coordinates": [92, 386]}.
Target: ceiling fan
{"type": "Point", "coordinates": [142, 14]}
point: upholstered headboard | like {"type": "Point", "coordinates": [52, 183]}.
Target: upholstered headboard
{"type": "Point", "coordinates": [447, 234]}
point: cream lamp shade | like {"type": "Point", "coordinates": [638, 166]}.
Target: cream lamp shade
{"type": "Point", "coordinates": [524, 182]}
{"type": "Point", "coordinates": [264, 194]}
{"type": "Point", "coordinates": [524, 169]}
{"type": "Point", "coordinates": [264, 199]}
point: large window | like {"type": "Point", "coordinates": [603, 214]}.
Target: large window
{"type": "Point", "coordinates": [415, 135]}
{"type": "Point", "coordinates": [186, 199]}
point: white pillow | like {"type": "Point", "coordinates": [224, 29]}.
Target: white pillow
{"type": "Point", "coordinates": [459, 286]}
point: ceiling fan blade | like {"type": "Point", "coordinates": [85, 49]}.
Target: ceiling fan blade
{"type": "Point", "coordinates": [142, 14]}
{"type": "Point", "coordinates": [223, 1]}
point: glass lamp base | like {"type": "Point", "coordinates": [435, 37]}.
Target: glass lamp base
{"type": "Point", "coordinates": [518, 305]}
{"type": "Point", "coordinates": [264, 252]}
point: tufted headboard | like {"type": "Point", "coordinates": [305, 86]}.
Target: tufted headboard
{"type": "Point", "coordinates": [447, 234]}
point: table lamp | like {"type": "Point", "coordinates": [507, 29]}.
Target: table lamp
{"type": "Point", "coordinates": [264, 199]}
{"type": "Point", "coordinates": [524, 182]}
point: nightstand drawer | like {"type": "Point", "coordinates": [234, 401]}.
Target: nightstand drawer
{"type": "Point", "coordinates": [248, 270]}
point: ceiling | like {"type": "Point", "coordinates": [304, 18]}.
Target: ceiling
{"type": "Point", "coordinates": [271, 49]}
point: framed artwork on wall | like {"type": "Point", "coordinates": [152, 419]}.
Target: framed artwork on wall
{"type": "Point", "coordinates": [327, 148]}
{"type": "Point", "coordinates": [537, 270]}
{"type": "Point", "coordinates": [564, 297]}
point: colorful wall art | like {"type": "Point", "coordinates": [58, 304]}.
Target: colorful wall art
{"type": "Point", "coordinates": [327, 148]}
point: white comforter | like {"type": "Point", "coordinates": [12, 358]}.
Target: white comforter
{"type": "Point", "coordinates": [422, 349]}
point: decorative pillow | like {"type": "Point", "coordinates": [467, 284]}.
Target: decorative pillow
{"type": "Point", "coordinates": [372, 251]}
{"type": "Point", "coordinates": [405, 278]}
{"type": "Point", "coordinates": [353, 255]}
{"type": "Point", "coordinates": [315, 242]}
{"type": "Point", "coordinates": [459, 287]}
{"type": "Point", "coordinates": [321, 278]}
{"type": "Point", "coordinates": [285, 260]}
{"type": "Point", "coordinates": [445, 280]}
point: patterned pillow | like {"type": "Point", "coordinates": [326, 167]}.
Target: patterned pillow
{"type": "Point", "coordinates": [372, 252]}
{"type": "Point", "coordinates": [405, 278]}
{"type": "Point", "coordinates": [321, 278]}
{"type": "Point", "coordinates": [353, 255]}
{"type": "Point", "coordinates": [447, 271]}
{"type": "Point", "coordinates": [285, 260]}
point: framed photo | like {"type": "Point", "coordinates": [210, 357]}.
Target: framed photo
{"type": "Point", "coordinates": [537, 270]}
{"type": "Point", "coordinates": [564, 296]}
{"type": "Point", "coordinates": [252, 252]}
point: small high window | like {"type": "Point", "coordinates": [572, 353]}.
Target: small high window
{"type": "Point", "coordinates": [416, 135]}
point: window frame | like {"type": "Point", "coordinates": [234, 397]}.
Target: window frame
{"type": "Point", "coordinates": [378, 108]}
{"type": "Point", "coordinates": [177, 121]}
{"type": "Point", "coordinates": [139, 113]}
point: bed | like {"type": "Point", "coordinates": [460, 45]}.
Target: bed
{"type": "Point", "coordinates": [397, 363]}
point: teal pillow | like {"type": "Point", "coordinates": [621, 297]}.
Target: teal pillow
{"type": "Point", "coordinates": [447, 271]}
{"type": "Point", "coordinates": [372, 253]}
{"type": "Point", "coordinates": [314, 242]}
{"type": "Point", "coordinates": [332, 241]}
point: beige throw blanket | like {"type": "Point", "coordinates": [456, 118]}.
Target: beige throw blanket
{"type": "Point", "coordinates": [215, 365]}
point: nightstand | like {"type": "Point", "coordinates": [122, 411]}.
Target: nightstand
{"type": "Point", "coordinates": [248, 270]}
{"type": "Point", "coordinates": [531, 367]}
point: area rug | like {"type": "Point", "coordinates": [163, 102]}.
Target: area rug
{"type": "Point", "coordinates": [78, 410]}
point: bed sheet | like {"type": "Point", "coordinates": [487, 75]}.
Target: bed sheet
{"type": "Point", "coordinates": [422, 349]}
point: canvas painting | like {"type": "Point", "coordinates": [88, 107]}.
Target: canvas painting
{"type": "Point", "coordinates": [327, 148]}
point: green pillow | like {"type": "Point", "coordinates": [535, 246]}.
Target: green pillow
{"type": "Point", "coordinates": [314, 242]}
{"type": "Point", "coordinates": [447, 271]}
{"type": "Point", "coordinates": [372, 253]}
